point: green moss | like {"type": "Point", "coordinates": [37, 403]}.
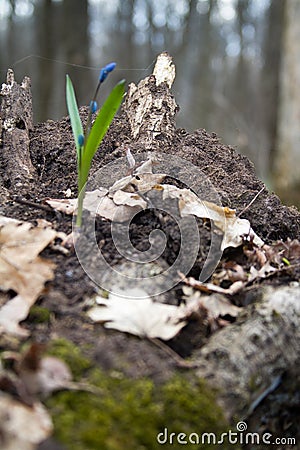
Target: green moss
{"type": "Point", "coordinates": [129, 414]}
{"type": "Point", "coordinates": [38, 314]}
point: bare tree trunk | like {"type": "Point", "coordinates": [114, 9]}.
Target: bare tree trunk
{"type": "Point", "coordinates": [287, 161]}
{"type": "Point", "coordinates": [270, 78]}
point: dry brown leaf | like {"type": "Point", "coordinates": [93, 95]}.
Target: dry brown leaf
{"type": "Point", "coordinates": [146, 166]}
{"type": "Point", "coordinates": [65, 205]}
{"type": "Point", "coordinates": [41, 374]}
{"type": "Point", "coordinates": [290, 250]}
{"type": "Point", "coordinates": [98, 203]}
{"type": "Point", "coordinates": [123, 183]}
{"type": "Point", "coordinates": [22, 270]}
{"type": "Point", "coordinates": [12, 313]}
{"type": "Point", "coordinates": [263, 272]}
{"type": "Point", "coordinates": [93, 198]}
{"type": "Point", "coordinates": [218, 305]}
{"type": "Point", "coordinates": [130, 159]}
{"type": "Point", "coordinates": [231, 271]}
{"type": "Point", "coordinates": [233, 228]}
{"type": "Point", "coordinates": [43, 223]}
{"type": "Point", "coordinates": [22, 426]}
{"type": "Point", "coordinates": [22, 242]}
{"type": "Point", "coordinates": [256, 255]}
{"type": "Point", "coordinates": [143, 182]}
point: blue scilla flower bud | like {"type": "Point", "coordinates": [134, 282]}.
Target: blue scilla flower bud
{"type": "Point", "coordinates": [81, 140]}
{"type": "Point", "coordinates": [93, 106]}
{"type": "Point", "coordinates": [106, 70]}
{"type": "Point", "coordinates": [110, 67]}
{"type": "Point", "coordinates": [103, 75]}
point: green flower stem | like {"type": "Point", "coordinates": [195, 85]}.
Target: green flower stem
{"type": "Point", "coordinates": [81, 195]}
{"type": "Point", "coordinates": [88, 142]}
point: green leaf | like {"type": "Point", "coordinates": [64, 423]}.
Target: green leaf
{"type": "Point", "coordinates": [100, 127]}
{"type": "Point", "coordinates": [73, 113]}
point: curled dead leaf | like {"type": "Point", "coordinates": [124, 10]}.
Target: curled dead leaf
{"type": "Point", "coordinates": [230, 271]}
{"type": "Point", "coordinates": [224, 218]}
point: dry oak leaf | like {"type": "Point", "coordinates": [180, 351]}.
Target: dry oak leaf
{"type": "Point", "coordinates": [22, 270]}
{"type": "Point", "coordinates": [139, 316]}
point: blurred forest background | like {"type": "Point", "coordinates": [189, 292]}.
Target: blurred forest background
{"type": "Point", "coordinates": [237, 61]}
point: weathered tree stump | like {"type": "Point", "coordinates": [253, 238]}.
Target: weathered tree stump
{"type": "Point", "coordinates": [150, 108]}
{"type": "Point", "coordinates": [16, 122]}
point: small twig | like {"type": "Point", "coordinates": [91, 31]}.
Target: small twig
{"type": "Point", "coordinates": [82, 386]}
{"type": "Point", "coordinates": [252, 201]}
{"type": "Point", "coordinates": [177, 358]}
{"type": "Point", "coordinates": [32, 204]}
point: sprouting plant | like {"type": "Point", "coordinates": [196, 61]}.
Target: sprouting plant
{"type": "Point", "coordinates": [88, 139]}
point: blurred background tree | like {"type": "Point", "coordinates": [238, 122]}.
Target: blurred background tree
{"type": "Point", "coordinates": [287, 149]}
{"type": "Point", "coordinates": [238, 65]}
